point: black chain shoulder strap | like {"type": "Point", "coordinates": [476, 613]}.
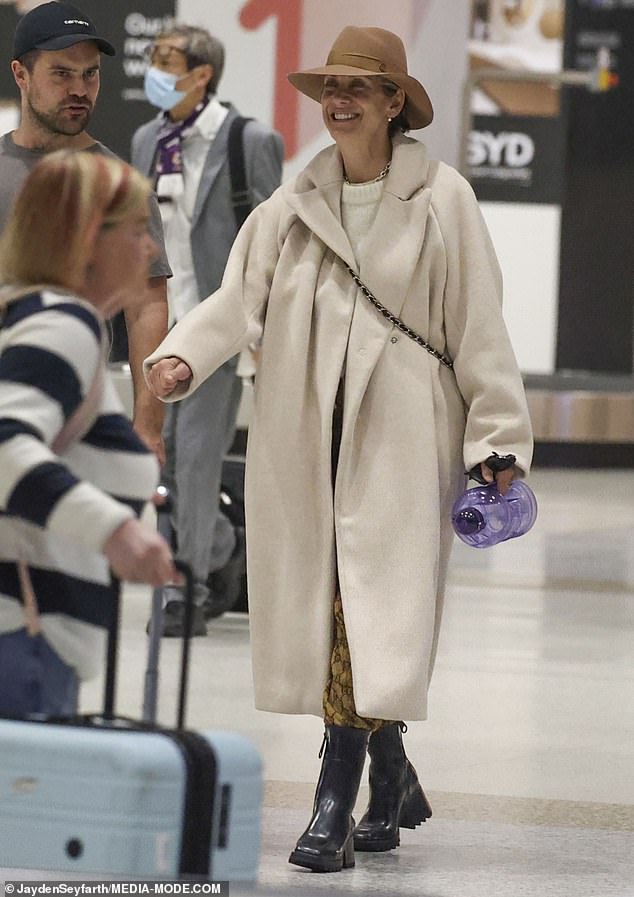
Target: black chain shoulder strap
{"type": "Point", "coordinates": [393, 319]}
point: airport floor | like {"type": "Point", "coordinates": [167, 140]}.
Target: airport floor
{"type": "Point", "coordinates": [528, 753]}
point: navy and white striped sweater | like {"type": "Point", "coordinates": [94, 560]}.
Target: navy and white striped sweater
{"type": "Point", "coordinates": [57, 511]}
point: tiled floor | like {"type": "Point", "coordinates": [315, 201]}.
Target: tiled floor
{"type": "Point", "coordinates": [528, 755]}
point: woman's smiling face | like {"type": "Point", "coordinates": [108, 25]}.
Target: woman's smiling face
{"type": "Point", "coordinates": [358, 106]}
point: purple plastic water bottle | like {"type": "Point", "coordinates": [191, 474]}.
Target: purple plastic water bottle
{"type": "Point", "coordinates": [482, 517]}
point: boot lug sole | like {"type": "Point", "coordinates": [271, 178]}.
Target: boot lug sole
{"type": "Point", "coordinates": [376, 846]}
{"type": "Point", "coordinates": [320, 863]}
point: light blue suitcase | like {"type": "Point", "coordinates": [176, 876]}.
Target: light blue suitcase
{"type": "Point", "coordinates": [108, 796]}
{"type": "Point", "coordinates": [93, 800]}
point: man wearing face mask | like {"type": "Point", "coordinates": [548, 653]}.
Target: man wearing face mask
{"type": "Point", "coordinates": [186, 152]}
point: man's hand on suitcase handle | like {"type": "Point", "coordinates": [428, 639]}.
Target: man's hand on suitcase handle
{"type": "Point", "coordinates": [167, 375]}
{"type": "Point", "coordinates": [138, 554]}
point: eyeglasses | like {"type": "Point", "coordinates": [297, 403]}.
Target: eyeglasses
{"type": "Point", "coordinates": [165, 54]}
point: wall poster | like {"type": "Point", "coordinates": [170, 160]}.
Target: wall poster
{"type": "Point", "coordinates": [514, 148]}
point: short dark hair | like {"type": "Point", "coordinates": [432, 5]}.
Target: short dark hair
{"type": "Point", "coordinates": [29, 59]}
{"type": "Point", "coordinates": [400, 123]}
{"type": "Point", "coordinates": [201, 48]}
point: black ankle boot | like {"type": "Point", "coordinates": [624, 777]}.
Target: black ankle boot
{"type": "Point", "coordinates": [396, 797]}
{"type": "Point", "coordinates": [327, 844]}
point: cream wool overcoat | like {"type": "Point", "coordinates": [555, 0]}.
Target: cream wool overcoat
{"type": "Point", "coordinates": [410, 428]}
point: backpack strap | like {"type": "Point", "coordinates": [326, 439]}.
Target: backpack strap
{"type": "Point", "coordinates": [240, 193]}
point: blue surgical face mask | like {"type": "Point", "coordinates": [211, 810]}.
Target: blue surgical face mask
{"type": "Point", "coordinates": [160, 89]}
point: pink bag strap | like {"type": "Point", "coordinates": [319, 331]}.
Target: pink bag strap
{"type": "Point", "coordinates": [29, 601]}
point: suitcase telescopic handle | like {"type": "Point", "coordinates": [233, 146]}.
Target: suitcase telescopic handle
{"type": "Point", "coordinates": [155, 631]}
{"type": "Point", "coordinates": [155, 627]}
{"type": "Point", "coordinates": [112, 650]}
{"type": "Point", "coordinates": [188, 576]}
{"type": "Point", "coordinates": [151, 676]}
{"type": "Point", "coordinates": [151, 683]}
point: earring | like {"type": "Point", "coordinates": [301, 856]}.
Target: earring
{"type": "Point", "coordinates": [389, 118]}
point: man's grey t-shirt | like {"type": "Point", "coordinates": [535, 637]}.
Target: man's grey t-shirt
{"type": "Point", "coordinates": [15, 164]}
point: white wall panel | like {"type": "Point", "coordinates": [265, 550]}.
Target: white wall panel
{"type": "Point", "coordinates": [526, 239]}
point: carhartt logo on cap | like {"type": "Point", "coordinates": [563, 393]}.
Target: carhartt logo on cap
{"type": "Point", "coordinates": [55, 25]}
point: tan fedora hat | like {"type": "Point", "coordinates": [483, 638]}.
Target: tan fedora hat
{"type": "Point", "coordinates": [369, 51]}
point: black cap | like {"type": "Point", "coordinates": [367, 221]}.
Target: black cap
{"type": "Point", "coordinates": [55, 26]}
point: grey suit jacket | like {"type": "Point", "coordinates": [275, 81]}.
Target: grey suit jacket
{"type": "Point", "coordinates": [213, 223]}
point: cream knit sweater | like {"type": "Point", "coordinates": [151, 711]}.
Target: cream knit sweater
{"type": "Point", "coordinates": [359, 204]}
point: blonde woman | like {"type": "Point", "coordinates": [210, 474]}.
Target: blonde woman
{"type": "Point", "coordinates": [73, 475]}
{"type": "Point", "coordinates": [360, 435]}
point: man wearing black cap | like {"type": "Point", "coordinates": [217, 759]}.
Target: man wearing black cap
{"type": "Point", "coordinates": [56, 59]}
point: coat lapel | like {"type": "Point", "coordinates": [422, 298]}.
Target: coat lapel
{"type": "Point", "coordinates": [147, 147]}
{"type": "Point", "coordinates": [213, 163]}
{"type": "Point", "coordinates": [317, 201]}
{"type": "Point", "coordinates": [393, 245]}
{"type": "Point", "coordinates": [391, 250]}
{"type": "Point", "coordinates": [390, 253]}
{"type": "Point", "coordinates": [389, 257]}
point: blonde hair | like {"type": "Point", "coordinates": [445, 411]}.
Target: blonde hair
{"type": "Point", "coordinates": [65, 200]}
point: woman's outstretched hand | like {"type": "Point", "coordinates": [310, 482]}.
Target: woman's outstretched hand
{"type": "Point", "coordinates": [166, 375]}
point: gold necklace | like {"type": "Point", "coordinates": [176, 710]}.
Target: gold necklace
{"type": "Point", "coordinates": [382, 174]}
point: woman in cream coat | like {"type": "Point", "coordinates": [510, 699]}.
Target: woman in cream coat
{"type": "Point", "coordinates": [359, 438]}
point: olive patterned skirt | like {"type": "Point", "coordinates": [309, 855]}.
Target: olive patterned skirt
{"type": "Point", "coordinates": [339, 707]}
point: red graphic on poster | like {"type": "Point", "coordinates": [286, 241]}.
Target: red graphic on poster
{"type": "Point", "coordinates": [289, 16]}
